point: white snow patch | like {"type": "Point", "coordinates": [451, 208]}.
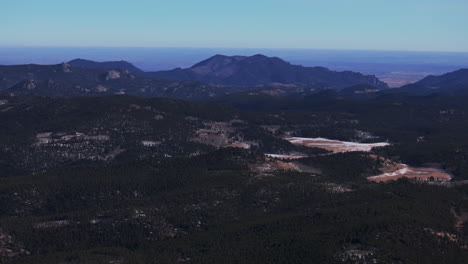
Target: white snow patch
{"type": "Point", "coordinates": [401, 171]}
{"type": "Point", "coordinates": [281, 156]}
{"type": "Point", "coordinates": [336, 145]}
{"type": "Point", "coordinates": [148, 143]}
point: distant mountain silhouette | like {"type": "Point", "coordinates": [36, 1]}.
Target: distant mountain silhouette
{"type": "Point", "coordinates": [108, 65]}
{"type": "Point", "coordinates": [452, 82]}
{"type": "Point", "coordinates": [217, 76]}
{"type": "Point", "coordinates": [65, 80]}
{"type": "Point", "coordinates": [263, 70]}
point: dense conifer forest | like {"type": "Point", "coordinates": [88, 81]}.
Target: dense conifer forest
{"type": "Point", "coordinates": [132, 180]}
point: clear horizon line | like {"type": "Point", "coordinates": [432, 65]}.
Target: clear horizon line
{"type": "Point", "coordinates": [227, 48]}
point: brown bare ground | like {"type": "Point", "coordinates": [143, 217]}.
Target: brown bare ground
{"type": "Point", "coordinates": [391, 170]}
{"type": "Point", "coordinates": [449, 236]}
{"type": "Point", "coordinates": [273, 165]}
{"type": "Point", "coordinates": [237, 144]}
{"type": "Point", "coordinates": [394, 171]}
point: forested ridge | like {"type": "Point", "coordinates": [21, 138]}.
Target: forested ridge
{"type": "Point", "coordinates": [132, 180]}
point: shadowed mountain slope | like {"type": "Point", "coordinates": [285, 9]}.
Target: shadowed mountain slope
{"type": "Point", "coordinates": [452, 82]}
{"type": "Point", "coordinates": [108, 65]}
{"type": "Point", "coordinates": [263, 70]}
{"type": "Point", "coordinates": [68, 81]}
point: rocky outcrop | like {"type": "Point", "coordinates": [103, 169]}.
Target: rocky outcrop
{"type": "Point", "coordinates": [29, 85]}
{"type": "Point", "coordinates": [66, 67]}
{"type": "Point", "coordinates": [112, 75]}
{"type": "Point", "coordinates": [101, 89]}
{"type": "Point", "coordinates": [9, 248]}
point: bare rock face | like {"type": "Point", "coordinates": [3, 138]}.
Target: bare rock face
{"type": "Point", "coordinates": [111, 75]}
{"type": "Point", "coordinates": [9, 248]}
{"type": "Point", "coordinates": [66, 67]}
{"type": "Point", "coordinates": [101, 89]}
{"type": "Point", "coordinates": [30, 85]}
{"type": "Point", "coordinates": [128, 74]}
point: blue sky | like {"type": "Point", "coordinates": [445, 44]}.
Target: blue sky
{"type": "Point", "coordinates": [432, 25]}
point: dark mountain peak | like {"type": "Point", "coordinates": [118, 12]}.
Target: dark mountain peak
{"type": "Point", "coordinates": [461, 74]}
{"type": "Point", "coordinates": [448, 83]}
{"type": "Point", "coordinates": [263, 70]}
{"type": "Point", "coordinates": [260, 57]}
{"type": "Point", "coordinates": [264, 57]}
{"type": "Point", "coordinates": [215, 63]}
{"type": "Point", "coordinates": [461, 71]}
{"type": "Point", "coordinates": [79, 60]}
{"type": "Point", "coordinates": [218, 61]}
{"type": "Point", "coordinates": [108, 65]}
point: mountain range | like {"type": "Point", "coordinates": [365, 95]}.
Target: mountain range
{"type": "Point", "coordinates": [272, 172]}
{"type": "Point", "coordinates": [263, 70]}
{"type": "Point", "coordinates": [217, 76]}
{"type": "Point", "coordinates": [65, 80]}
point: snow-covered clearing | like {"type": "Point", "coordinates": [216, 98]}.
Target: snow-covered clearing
{"type": "Point", "coordinates": [335, 146]}
{"type": "Point", "coordinates": [281, 156]}
{"type": "Point", "coordinates": [400, 170]}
